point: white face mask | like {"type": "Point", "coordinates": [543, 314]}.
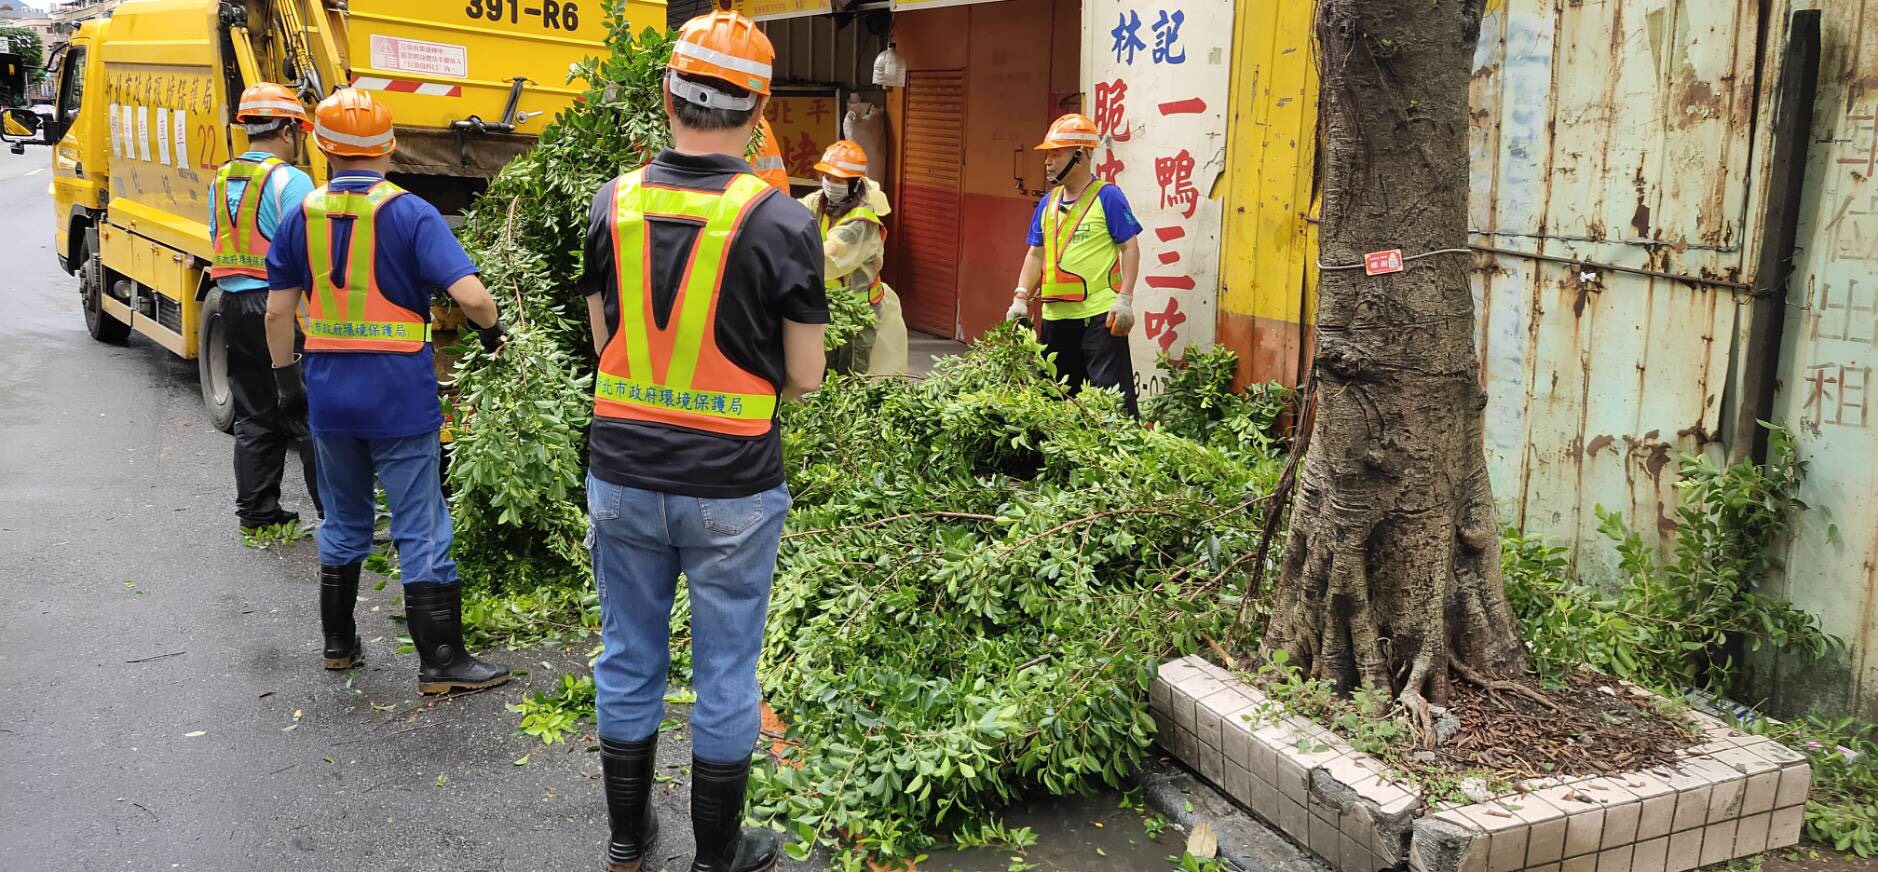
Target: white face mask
{"type": "Point", "coordinates": [834, 190]}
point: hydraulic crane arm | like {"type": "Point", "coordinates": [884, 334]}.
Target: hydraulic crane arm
{"type": "Point", "coordinates": [309, 60]}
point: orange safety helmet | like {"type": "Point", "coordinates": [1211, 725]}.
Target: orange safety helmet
{"type": "Point", "coordinates": [724, 46]}
{"type": "Point", "coordinates": [843, 160]}
{"type": "Point", "coordinates": [268, 100]}
{"type": "Point", "coordinates": [352, 124]}
{"type": "Point", "coordinates": [1071, 131]}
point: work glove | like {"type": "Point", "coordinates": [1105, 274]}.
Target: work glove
{"type": "Point", "coordinates": [1122, 315]}
{"type": "Point", "coordinates": [1020, 305]}
{"type": "Point", "coordinates": [493, 336]}
{"type": "Point", "coordinates": [290, 391]}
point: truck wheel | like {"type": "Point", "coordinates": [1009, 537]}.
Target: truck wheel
{"type": "Point", "coordinates": [100, 324]}
{"type": "Point", "coordinates": [212, 364]}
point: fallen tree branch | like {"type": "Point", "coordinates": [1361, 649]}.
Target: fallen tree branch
{"type": "Point", "coordinates": [1219, 651]}
{"type": "Point", "coordinates": [1276, 509]}
{"type": "Point", "coordinates": [157, 657]}
{"type": "Point", "coordinates": [881, 522]}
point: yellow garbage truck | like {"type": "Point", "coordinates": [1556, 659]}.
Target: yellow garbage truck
{"type": "Point", "coordinates": [144, 115]}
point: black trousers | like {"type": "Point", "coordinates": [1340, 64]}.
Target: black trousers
{"type": "Point", "coordinates": [1087, 354]}
{"type": "Point", "coordinates": [262, 435]}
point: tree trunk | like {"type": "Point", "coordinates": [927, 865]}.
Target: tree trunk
{"type": "Point", "coordinates": [1391, 569]}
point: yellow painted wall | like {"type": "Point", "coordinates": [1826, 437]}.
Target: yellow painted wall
{"type": "Point", "coordinates": [1268, 245]}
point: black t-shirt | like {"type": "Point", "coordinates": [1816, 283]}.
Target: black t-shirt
{"type": "Point", "coordinates": [773, 274]}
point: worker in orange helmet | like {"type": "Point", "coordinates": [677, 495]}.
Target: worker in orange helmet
{"type": "Point", "coordinates": [704, 288]}
{"type": "Point", "coordinates": [366, 257]}
{"type": "Point", "coordinates": [768, 163]}
{"type": "Point", "coordinates": [1083, 261]}
{"type": "Point", "coordinates": [246, 201]}
{"type": "Point", "coordinates": [850, 209]}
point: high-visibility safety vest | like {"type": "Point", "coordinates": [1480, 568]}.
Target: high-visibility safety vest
{"type": "Point", "coordinates": [677, 374]}
{"type": "Point", "coordinates": [858, 213]}
{"type": "Point", "coordinates": [1074, 267]}
{"type": "Point", "coordinates": [349, 311]}
{"type": "Point", "coordinates": [240, 249]}
{"type": "Point", "coordinates": [769, 167]}
{"type": "Point", "coordinates": [769, 160]}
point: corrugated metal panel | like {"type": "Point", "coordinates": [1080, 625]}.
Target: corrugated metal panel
{"type": "Point", "coordinates": [932, 159]}
{"type": "Point", "coordinates": [1632, 132]}
{"type": "Point", "coordinates": [1826, 384]}
{"type": "Point", "coordinates": [1617, 132]}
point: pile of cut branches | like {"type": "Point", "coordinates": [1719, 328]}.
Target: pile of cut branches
{"type": "Point", "coordinates": [979, 579]}
{"type": "Point", "coordinates": [517, 466]}
{"type": "Point", "coordinates": [980, 574]}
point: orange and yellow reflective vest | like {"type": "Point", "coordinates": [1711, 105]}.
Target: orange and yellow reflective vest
{"type": "Point", "coordinates": [677, 374]}
{"type": "Point", "coordinates": [239, 247]}
{"type": "Point", "coordinates": [858, 213]}
{"type": "Point", "coordinates": [769, 160]}
{"type": "Point", "coordinates": [1074, 266]}
{"type": "Point", "coordinates": [349, 311]}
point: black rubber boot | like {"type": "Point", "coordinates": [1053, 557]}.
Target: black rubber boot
{"type": "Point", "coordinates": [339, 591]}
{"type": "Point", "coordinates": [253, 526]}
{"type": "Point", "coordinates": [434, 614]}
{"type": "Point", "coordinates": [717, 821]}
{"type": "Point", "coordinates": [629, 775]}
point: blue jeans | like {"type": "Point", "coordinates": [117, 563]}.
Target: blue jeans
{"type": "Point", "coordinates": [726, 548]}
{"type": "Point", "coordinates": [420, 519]}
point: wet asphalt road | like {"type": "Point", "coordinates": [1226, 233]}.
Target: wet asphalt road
{"type": "Point", "coordinates": [161, 701]}
{"type": "Point", "coordinates": [118, 543]}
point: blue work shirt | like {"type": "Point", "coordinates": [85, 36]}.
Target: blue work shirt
{"type": "Point", "coordinates": [1115, 208]}
{"type": "Point", "coordinates": [368, 394]}
{"type": "Point", "coordinates": [287, 186]}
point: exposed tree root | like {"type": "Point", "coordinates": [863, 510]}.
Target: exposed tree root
{"type": "Point", "coordinates": [1221, 652]}
{"type": "Point", "coordinates": [1478, 680]}
{"type": "Point", "coordinates": [1417, 706]}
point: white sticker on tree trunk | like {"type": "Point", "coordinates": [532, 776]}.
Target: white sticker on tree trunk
{"type": "Point", "coordinates": [419, 56]}
{"type": "Point", "coordinates": [1155, 77]}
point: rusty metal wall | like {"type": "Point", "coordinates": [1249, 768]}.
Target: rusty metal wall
{"type": "Point", "coordinates": [1636, 133]}
{"type": "Point", "coordinates": [1620, 132]}
{"type": "Point", "coordinates": [1826, 380]}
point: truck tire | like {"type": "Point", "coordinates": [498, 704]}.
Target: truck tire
{"type": "Point", "coordinates": [100, 324]}
{"type": "Point", "coordinates": [218, 399]}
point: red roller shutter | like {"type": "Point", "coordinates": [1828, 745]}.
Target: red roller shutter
{"type": "Point", "coordinates": [932, 158]}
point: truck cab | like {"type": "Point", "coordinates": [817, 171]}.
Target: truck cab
{"type": "Point", "coordinates": [77, 197]}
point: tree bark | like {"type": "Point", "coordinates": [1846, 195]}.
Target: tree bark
{"type": "Point", "coordinates": [1391, 569]}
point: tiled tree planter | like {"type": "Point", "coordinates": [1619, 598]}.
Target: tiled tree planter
{"type": "Point", "coordinates": [1733, 796]}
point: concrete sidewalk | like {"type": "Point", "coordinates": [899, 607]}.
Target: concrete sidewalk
{"type": "Point", "coordinates": [925, 349]}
